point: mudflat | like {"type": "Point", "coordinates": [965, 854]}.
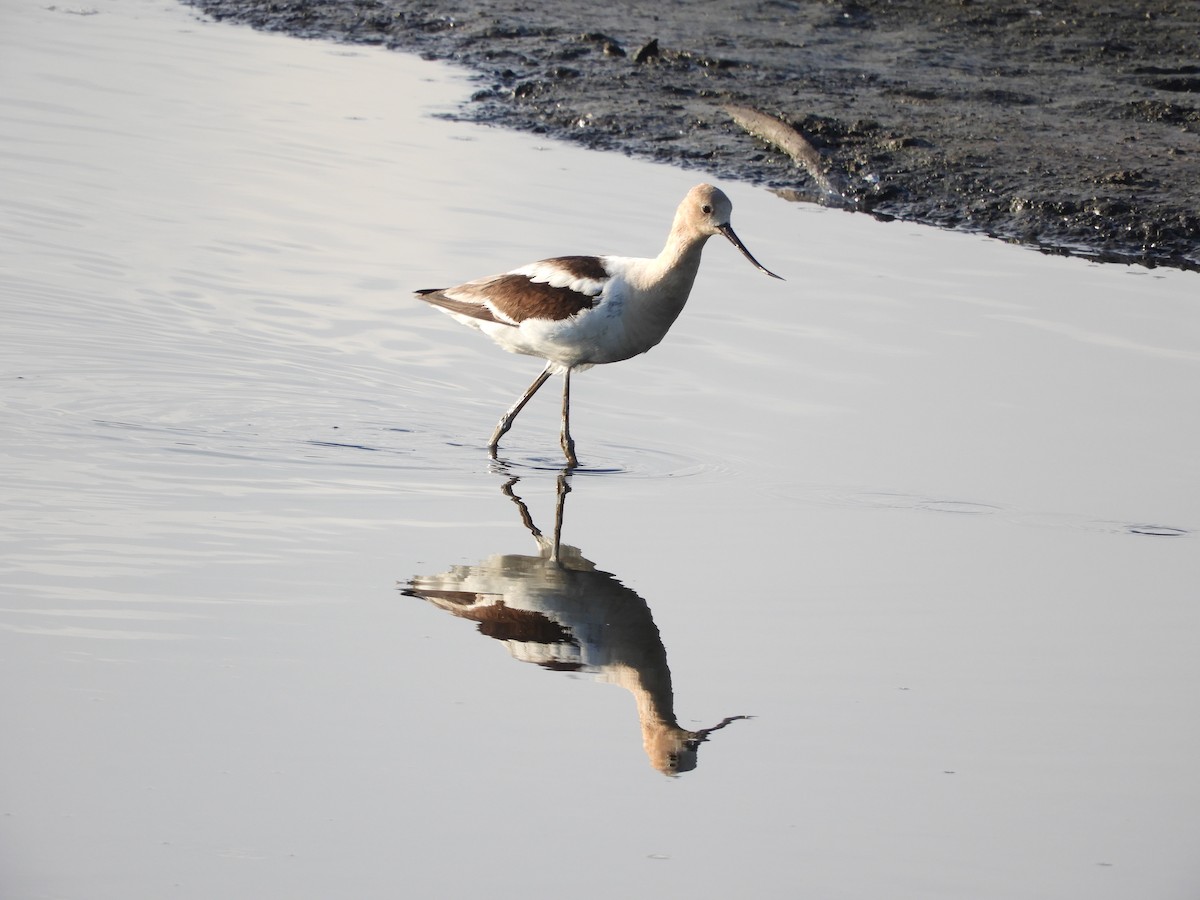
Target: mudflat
{"type": "Point", "coordinates": [1070, 126]}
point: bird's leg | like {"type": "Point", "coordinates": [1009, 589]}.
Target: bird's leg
{"type": "Point", "coordinates": [568, 445]}
{"type": "Point", "coordinates": [506, 420]}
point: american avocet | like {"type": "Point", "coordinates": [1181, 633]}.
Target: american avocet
{"type": "Point", "coordinates": [576, 312]}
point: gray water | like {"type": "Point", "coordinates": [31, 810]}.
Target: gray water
{"type": "Point", "coordinates": [926, 512]}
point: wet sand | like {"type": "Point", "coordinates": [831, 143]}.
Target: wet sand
{"type": "Point", "coordinates": [1071, 127]}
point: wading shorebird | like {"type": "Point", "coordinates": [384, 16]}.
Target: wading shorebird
{"type": "Point", "coordinates": [576, 312]}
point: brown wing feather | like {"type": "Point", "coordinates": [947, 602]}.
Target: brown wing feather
{"type": "Point", "coordinates": [463, 307]}
{"type": "Point", "coordinates": [517, 298]}
{"type": "Point", "coordinates": [581, 266]}
{"type": "Point", "coordinates": [528, 292]}
{"type": "Point", "coordinates": [510, 300]}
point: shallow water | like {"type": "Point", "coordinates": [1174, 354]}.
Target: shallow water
{"type": "Point", "coordinates": [927, 511]}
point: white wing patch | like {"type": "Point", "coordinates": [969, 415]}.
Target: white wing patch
{"type": "Point", "coordinates": [548, 272]}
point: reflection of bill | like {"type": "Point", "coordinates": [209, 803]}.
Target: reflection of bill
{"type": "Point", "coordinates": [558, 610]}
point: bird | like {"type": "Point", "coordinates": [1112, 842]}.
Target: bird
{"type": "Point", "coordinates": [576, 312]}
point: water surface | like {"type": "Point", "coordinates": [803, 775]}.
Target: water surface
{"type": "Point", "coordinates": [927, 511]}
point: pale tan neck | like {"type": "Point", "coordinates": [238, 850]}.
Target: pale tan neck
{"type": "Point", "coordinates": [661, 735]}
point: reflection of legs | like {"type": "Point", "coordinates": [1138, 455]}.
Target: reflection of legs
{"type": "Point", "coordinates": [564, 488]}
{"type": "Point", "coordinates": [506, 420]}
{"type": "Point", "coordinates": [526, 518]}
{"type": "Point", "coordinates": [568, 445]}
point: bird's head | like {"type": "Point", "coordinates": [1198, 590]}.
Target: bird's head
{"type": "Point", "coordinates": [706, 211]}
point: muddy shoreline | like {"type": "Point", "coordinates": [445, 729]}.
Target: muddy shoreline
{"type": "Point", "coordinates": [1072, 127]}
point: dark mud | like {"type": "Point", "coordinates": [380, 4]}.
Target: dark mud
{"type": "Point", "coordinates": [1070, 126]}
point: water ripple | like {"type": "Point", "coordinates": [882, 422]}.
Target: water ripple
{"type": "Point", "coordinates": [851, 498]}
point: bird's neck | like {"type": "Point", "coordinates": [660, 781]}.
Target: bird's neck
{"type": "Point", "coordinates": [657, 291]}
{"type": "Point", "coordinates": [676, 266]}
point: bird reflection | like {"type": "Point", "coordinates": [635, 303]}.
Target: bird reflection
{"type": "Point", "coordinates": [559, 611]}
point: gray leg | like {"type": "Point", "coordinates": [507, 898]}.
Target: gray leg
{"type": "Point", "coordinates": [506, 420]}
{"type": "Point", "coordinates": [568, 445]}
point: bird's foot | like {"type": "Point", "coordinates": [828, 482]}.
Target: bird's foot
{"type": "Point", "coordinates": [568, 447]}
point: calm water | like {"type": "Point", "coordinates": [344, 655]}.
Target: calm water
{"type": "Point", "coordinates": [273, 625]}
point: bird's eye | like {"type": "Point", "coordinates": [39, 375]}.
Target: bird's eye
{"type": "Point", "coordinates": [706, 209]}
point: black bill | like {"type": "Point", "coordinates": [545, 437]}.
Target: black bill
{"type": "Point", "coordinates": [727, 230]}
